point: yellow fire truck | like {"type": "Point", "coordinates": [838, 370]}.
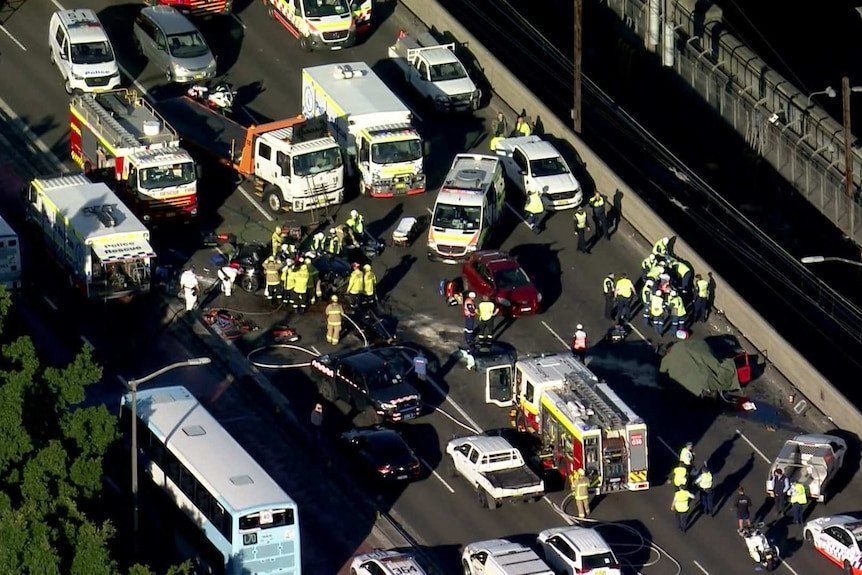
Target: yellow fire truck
{"type": "Point", "coordinates": [580, 421]}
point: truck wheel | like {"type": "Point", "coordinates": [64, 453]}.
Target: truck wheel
{"type": "Point", "coordinates": [327, 390]}
{"type": "Point", "coordinates": [273, 202]}
{"type": "Point", "coordinates": [68, 87]}
{"type": "Point", "coordinates": [51, 55]}
{"type": "Point", "coordinates": [305, 44]}
{"type": "Point", "coordinates": [466, 567]}
{"type": "Point", "coordinates": [483, 499]}
{"type": "Point", "coordinates": [250, 284]}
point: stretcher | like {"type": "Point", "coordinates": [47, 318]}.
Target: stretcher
{"type": "Point", "coordinates": [405, 233]}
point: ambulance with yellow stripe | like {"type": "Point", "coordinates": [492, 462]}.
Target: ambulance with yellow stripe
{"type": "Point", "coordinates": [579, 421]}
{"type": "Point", "coordinates": [317, 24]}
{"type": "Point", "coordinates": [468, 207]}
{"type": "Point", "coordinates": [95, 239]}
{"type": "Point", "coordinates": [372, 126]}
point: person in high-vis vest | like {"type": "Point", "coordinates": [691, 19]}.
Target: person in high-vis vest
{"type": "Point", "coordinates": [677, 311]}
{"type": "Point", "coordinates": [680, 476]}
{"type": "Point", "coordinates": [487, 311]}
{"type": "Point", "coordinates": [704, 484]}
{"type": "Point", "coordinates": [333, 312]}
{"type": "Point", "coordinates": [470, 311]}
{"type": "Point", "coordinates": [277, 240]}
{"type": "Point", "coordinates": [655, 273]}
{"type": "Point", "coordinates": [701, 298]}
{"type": "Point", "coordinates": [369, 286]}
{"type": "Point", "coordinates": [600, 218]}
{"type": "Point", "coordinates": [271, 277]}
{"type": "Point", "coordinates": [581, 229]}
{"type": "Point", "coordinates": [318, 242]}
{"type": "Point", "coordinates": [657, 307]}
{"type": "Point", "coordinates": [647, 264]}
{"type": "Point", "coordinates": [534, 209]}
{"type": "Point", "coordinates": [660, 248]}
{"type": "Point", "coordinates": [624, 293]}
{"type": "Point", "coordinates": [579, 343]}
{"type": "Point", "coordinates": [680, 506]}
{"type": "Point", "coordinates": [682, 274]}
{"type": "Point", "coordinates": [798, 501]}
{"type": "Point", "coordinates": [581, 492]}
{"type": "Point", "coordinates": [288, 281]}
{"type": "Point", "coordinates": [522, 127]}
{"type": "Point", "coordinates": [333, 243]}
{"type": "Point", "coordinates": [686, 455]}
{"type": "Point", "coordinates": [300, 286]}
{"type": "Point", "coordinates": [354, 286]}
{"type": "Point", "coordinates": [646, 296]}
{"type": "Point", "coordinates": [355, 226]}
{"type": "Point", "coordinates": [608, 290]}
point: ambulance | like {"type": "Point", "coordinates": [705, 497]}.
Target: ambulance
{"type": "Point", "coordinates": [317, 24]}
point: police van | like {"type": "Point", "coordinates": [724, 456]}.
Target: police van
{"type": "Point", "coordinates": [470, 203]}
{"type": "Point", "coordinates": [82, 52]}
{"type": "Point", "coordinates": [10, 257]}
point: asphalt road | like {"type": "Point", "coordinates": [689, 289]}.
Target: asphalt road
{"type": "Point", "coordinates": [440, 511]}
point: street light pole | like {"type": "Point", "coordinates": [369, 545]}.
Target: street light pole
{"type": "Point", "coordinates": [821, 259]}
{"type": "Point", "coordinates": [576, 111]}
{"type": "Point", "coordinates": [848, 159]}
{"type": "Point", "coordinates": [133, 384]}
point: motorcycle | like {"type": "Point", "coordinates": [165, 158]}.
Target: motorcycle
{"type": "Point", "coordinates": [760, 548]}
{"type": "Point", "coordinates": [219, 98]}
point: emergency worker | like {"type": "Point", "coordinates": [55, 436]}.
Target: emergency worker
{"type": "Point", "coordinates": [487, 311]}
{"type": "Point", "coordinates": [646, 296]}
{"type": "Point", "coordinates": [686, 455]}
{"type": "Point", "coordinates": [677, 311]}
{"type": "Point", "coordinates": [227, 275]}
{"type": "Point", "coordinates": [288, 282]}
{"type": "Point", "coordinates": [680, 506]}
{"type": "Point", "coordinates": [647, 264]}
{"type": "Point", "coordinates": [534, 209]}
{"type": "Point", "coordinates": [522, 127]}
{"type": "Point", "coordinates": [608, 290]}
{"type": "Point", "coordinates": [369, 285]}
{"type": "Point", "coordinates": [470, 311]}
{"type": "Point", "coordinates": [660, 248]}
{"type": "Point", "coordinates": [318, 242]}
{"type": "Point", "coordinates": [581, 229]}
{"type": "Point", "coordinates": [355, 285]}
{"type": "Point", "coordinates": [683, 275]}
{"type": "Point", "coordinates": [704, 484]}
{"type": "Point", "coordinates": [333, 243]}
{"type": "Point", "coordinates": [333, 312]}
{"type": "Point", "coordinates": [356, 225]}
{"type": "Point", "coordinates": [277, 240]}
{"type": "Point", "coordinates": [597, 202]}
{"type": "Point", "coordinates": [300, 286]}
{"type": "Point", "coordinates": [190, 288]}
{"type": "Point", "coordinates": [624, 293]}
{"type": "Point", "coordinates": [657, 308]}
{"type": "Point", "coordinates": [579, 343]}
{"type": "Point", "coordinates": [581, 492]}
{"type": "Point", "coordinates": [680, 476]}
{"type": "Point", "coordinates": [271, 277]}
{"type": "Point", "coordinates": [655, 273]}
{"type": "Point", "coordinates": [701, 298]}
{"type": "Point", "coordinates": [499, 129]}
{"type": "Point", "coordinates": [798, 500]}
{"type": "Point", "coordinates": [780, 489]}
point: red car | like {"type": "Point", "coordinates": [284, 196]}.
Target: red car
{"type": "Point", "coordinates": [499, 275]}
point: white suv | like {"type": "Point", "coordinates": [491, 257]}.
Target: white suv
{"type": "Point", "coordinates": [82, 52]}
{"type": "Point", "coordinates": [571, 550]}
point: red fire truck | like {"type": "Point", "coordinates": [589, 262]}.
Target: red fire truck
{"type": "Point", "coordinates": [197, 7]}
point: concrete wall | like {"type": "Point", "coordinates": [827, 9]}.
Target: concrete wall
{"type": "Point", "coordinates": [750, 324]}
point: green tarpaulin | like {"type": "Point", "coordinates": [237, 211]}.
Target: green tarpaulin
{"type": "Point", "coordinates": [700, 368]}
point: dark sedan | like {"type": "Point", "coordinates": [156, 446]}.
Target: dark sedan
{"type": "Point", "coordinates": [382, 453]}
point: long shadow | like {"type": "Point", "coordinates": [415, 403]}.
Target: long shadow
{"type": "Point", "coordinates": [542, 264]}
{"type": "Point", "coordinates": [725, 491]}
{"type": "Point", "coordinates": [717, 459]}
{"type": "Point", "coordinates": [225, 37]}
{"type": "Point", "coordinates": [393, 276]}
{"type": "Point", "coordinates": [379, 226]}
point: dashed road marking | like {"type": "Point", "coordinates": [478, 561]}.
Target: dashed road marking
{"type": "Point", "coordinates": [11, 37]}
{"type": "Point", "coordinates": [699, 566]}
{"type": "Point", "coordinates": [437, 475]}
{"type": "Point", "coordinates": [51, 304]}
{"type": "Point", "coordinates": [754, 447]}
{"type": "Point", "coordinates": [555, 334]}
{"type": "Point", "coordinates": [669, 448]}
{"type": "Point", "coordinates": [87, 342]}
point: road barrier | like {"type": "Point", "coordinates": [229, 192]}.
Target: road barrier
{"type": "Point", "coordinates": [780, 354]}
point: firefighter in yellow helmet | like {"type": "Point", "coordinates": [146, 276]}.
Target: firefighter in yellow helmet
{"type": "Point", "coordinates": [300, 286]}
{"type": "Point", "coordinates": [581, 492]}
{"type": "Point", "coordinates": [354, 286]}
{"type": "Point", "coordinates": [334, 312]}
{"type": "Point", "coordinates": [272, 277]}
{"type": "Point", "coordinates": [277, 240]}
{"type": "Point", "coordinates": [369, 286]}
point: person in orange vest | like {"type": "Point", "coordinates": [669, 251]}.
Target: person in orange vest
{"type": "Point", "coordinates": [579, 343]}
{"type": "Point", "coordinates": [470, 312]}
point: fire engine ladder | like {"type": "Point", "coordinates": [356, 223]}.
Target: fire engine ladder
{"type": "Point", "coordinates": [319, 207]}
{"type": "Point", "coordinates": [609, 416]}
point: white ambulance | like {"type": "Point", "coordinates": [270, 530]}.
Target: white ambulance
{"type": "Point", "coordinates": [82, 52]}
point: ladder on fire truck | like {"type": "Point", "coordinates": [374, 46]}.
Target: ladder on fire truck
{"type": "Point", "coordinates": [610, 417]}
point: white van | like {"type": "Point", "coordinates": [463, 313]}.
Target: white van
{"type": "Point", "coordinates": [10, 257]}
{"type": "Point", "coordinates": [82, 52]}
{"type": "Point", "coordinates": [468, 206]}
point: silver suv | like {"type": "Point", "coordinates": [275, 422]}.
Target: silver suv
{"type": "Point", "coordinates": [171, 42]}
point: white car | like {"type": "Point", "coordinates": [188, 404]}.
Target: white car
{"type": "Point", "coordinates": [534, 165]}
{"type": "Point", "coordinates": [839, 539]}
{"type": "Point", "coordinates": [385, 562]}
{"type": "Point", "coordinates": [578, 550]}
{"type": "Point", "coordinates": [80, 49]}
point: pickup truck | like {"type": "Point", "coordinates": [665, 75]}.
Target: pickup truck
{"type": "Point", "coordinates": [812, 460]}
{"type": "Point", "coordinates": [533, 164]}
{"type": "Point", "coordinates": [495, 468]}
{"type": "Point", "coordinates": [435, 72]}
{"type": "Point", "coordinates": [501, 557]}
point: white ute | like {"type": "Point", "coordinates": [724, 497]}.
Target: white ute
{"type": "Point", "coordinates": [495, 468]}
{"type": "Point", "coordinates": [385, 562]}
{"type": "Point", "coordinates": [533, 164]}
{"type": "Point", "coordinates": [435, 72]}
{"type": "Point", "coordinates": [501, 557]}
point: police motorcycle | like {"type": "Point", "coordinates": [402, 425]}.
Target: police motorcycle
{"type": "Point", "coordinates": [760, 548]}
{"type": "Point", "coordinates": [219, 97]}
{"type": "Point", "coordinates": [247, 259]}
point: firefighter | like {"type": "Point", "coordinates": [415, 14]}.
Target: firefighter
{"type": "Point", "coordinates": [657, 308]}
{"type": "Point", "coordinates": [704, 484]}
{"type": "Point", "coordinates": [333, 243]}
{"type": "Point", "coordinates": [300, 286]}
{"type": "Point", "coordinates": [680, 476]}
{"type": "Point", "coordinates": [655, 272]}
{"type": "Point", "coordinates": [227, 275]}
{"type": "Point", "coordinates": [470, 312]}
{"type": "Point", "coordinates": [581, 492]}
{"type": "Point", "coordinates": [272, 277]}
{"type": "Point", "coordinates": [190, 288]}
{"type": "Point", "coordinates": [647, 264]}
{"type": "Point", "coordinates": [487, 311]}
{"type": "Point", "coordinates": [677, 311]}
{"type": "Point", "coordinates": [369, 286]}
{"type": "Point", "coordinates": [660, 248]}
{"type": "Point", "coordinates": [683, 275]}
{"type": "Point", "coordinates": [798, 501]}
{"type": "Point", "coordinates": [646, 296]}
{"type": "Point", "coordinates": [680, 506]}
{"type": "Point", "coordinates": [686, 455]}
{"type": "Point", "coordinates": [624, 293]}
{"type": "Point", "coordinates": [608, 291]}
{"type": "Point", "coordinates": [581, 229]}
{"type": "Point", "coordinates": [277, 240]}
{"type": "Point", "coordinates": [288, 282]}
{"type": "Point", "coordinates": [318, 242]}
{"type": "Point", "coordinates": [333, 312]}
{"type": "Point", "coordinates": [701, 298]}
{"type": "Point", "coordinates": [354, 286]}
{"type": "Point", "coordinates": [579, 343]}
{"type": "Point", "coordinates": [534, 209]}
{"type": "Point", "coordinates": [356, 226]}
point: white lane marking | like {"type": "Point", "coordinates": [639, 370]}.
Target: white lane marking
{"type": "Point", "coordinates": [112, 484]}
{"type": "Point", "coordinates": [11, 37]}
{"type": "Point", "coordinates": [255, 203]}
{"type": "Point", "coordinates": [437, 475]}
{"type": "Point", "coordinates": [238, 21]}
{"type": "Point", "coordinates": [51, 304]}
{"type": "Point", "coordinates": [637, 331]}
{"type": "Point", "coordinates": [754, 447]}
{"type": "Point", "coordinates": [457, 407]}
{"type": "Point", "coordinates": [31, 136]}
{"type": "Point", "coordinates": [555, 334]}
{"type": "Point", "coordinates": [517, 213]}
{"type": "Point", "coordinates": [87, 342]}
{"type": "Point", "coordinates": [669, 448]}
{"type": "Point", "coordinates": [791, 569]}
{"type": "Point", "coordinates": [699, 566]}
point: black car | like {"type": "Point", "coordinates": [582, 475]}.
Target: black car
{"type": "Point", "coordinates": [382, 453]}
{"type": "Point", "coordinates": [372, 380]}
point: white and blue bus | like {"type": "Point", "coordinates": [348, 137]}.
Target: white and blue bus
{"type": "Point", "coordinates": [248, 521]}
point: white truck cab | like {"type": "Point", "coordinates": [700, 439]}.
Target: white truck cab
{"type": "Point", "coordinates": [501, 557]}
{"type": "Point", "coordinates": [470, 203]}
{"type": "Point", "coordinates": [533, 164]}
{"type": "Point", "coordinates": [81, 50]}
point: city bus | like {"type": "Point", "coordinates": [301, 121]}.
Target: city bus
{"type": "Point", "coordinates": [247, 522]}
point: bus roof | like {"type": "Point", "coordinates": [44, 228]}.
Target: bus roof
{"type": "Point", "coordinates": [206, 448]}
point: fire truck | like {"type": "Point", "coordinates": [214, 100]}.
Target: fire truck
{"type": "Point", "coordinates": [117, 137]}
{"type": "Point", "coordinates": [579, 421]}
{"type": "Point", "coordinates": [203, 8]}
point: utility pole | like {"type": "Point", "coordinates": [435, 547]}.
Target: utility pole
{"type": "Point", "coordinates": [848, 158]}
{"type": "Point", "coordinates": [576, 111]}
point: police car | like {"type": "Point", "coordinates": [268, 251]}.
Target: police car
{"type": "Point", "coordinates": [839, 539]}
{"type": "Point", "coordinates": [383, 562]}
{"type": "Point", "coordinates": [81, 50]}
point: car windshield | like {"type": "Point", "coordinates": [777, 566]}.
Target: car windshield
{"type": "Point", "coordinates": [465, 218]}
{"type": "Point", "coordinates": [316, 162]}
{"type": "Point", "coordinates": [548, 167]}
{"type": "Point", "coordinates": [599, 561]}
{"type": "Point", "coordinates": [92, 53]}
{"type": "Point", "coordinates": [394, 152]}
{"type": "Point", "coordinates": [447, 71]}
{"type": "Point", "coordinates": [324, 8]}
{"type": "Point", "coordinates": [165, 176]}
{"type": "Point", "coordinates": [187, 45]}
{"type": "Point", "coordinates": [382, 379]}
{"type": "Point", "coordinates": [510, 278]}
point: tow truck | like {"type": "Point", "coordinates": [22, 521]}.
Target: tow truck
{"type": "Point", "coordinates": [435, 72]}
{"type": "Point", "coordinates": [317, 25]}
{"type": "Point", "coordinates": [197, 8]}
{"type": "Point", "coordinates": [295, 163]}
{"type": "Point", "coordinates": [118, 138]}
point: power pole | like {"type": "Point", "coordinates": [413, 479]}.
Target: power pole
{"type": "Point", "coordinates": [576, 111]}
{"type": "Point", "coordinates": [848, 158]}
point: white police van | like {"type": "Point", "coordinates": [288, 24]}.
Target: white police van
{"type": "Point", "coordinates": [82, 52]}
{"type": "Point", "coordinates": [385, 562]}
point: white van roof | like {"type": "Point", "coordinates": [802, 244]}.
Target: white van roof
{"type": "Point", "coordinates": [468, 180]}
{"type": "Point", "coordinates": [6, 230]}
{"type": "Point", "coordinates": [83, 25]}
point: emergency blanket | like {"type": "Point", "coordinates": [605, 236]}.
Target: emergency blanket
{"type": "Point", "coordinates": [695, 366]}
{"type": "Point", "coordinates": [229, 325]}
